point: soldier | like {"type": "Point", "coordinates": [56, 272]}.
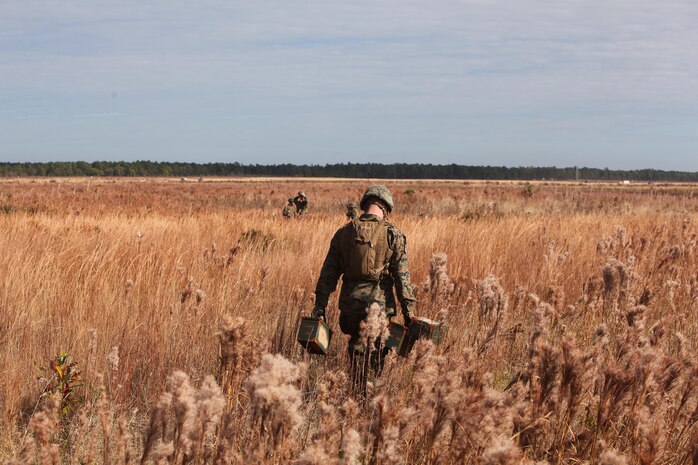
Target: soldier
{"type": "Point", "coordinates": [288, 209]}
{"type": "Point", "coordinates": [369, 253]}
{"type": "Point", "coordinates": [301, 203]}
{"type": "Point", "coordinates": [351, 211]}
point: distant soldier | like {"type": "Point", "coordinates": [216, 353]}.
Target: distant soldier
{"type": "Point", "coordinates": [351, 211]}
{"type": "Point", "coordinates": [301, 203]}
{"type": "Point", "coordinates": [369, 253]}
{"type": "Point", "coordinates": [288, 209]}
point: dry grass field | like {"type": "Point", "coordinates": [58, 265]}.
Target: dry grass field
{"type": "Point", "coordinates": [572, 313]}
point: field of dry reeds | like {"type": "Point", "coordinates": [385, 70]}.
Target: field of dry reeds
{"type": "Point", "coordinates": [153, 321]}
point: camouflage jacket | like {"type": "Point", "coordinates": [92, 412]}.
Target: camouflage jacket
{"type": "Point", "coordinates": [301, 202]}
{"type": "Point", "coordinates": [355, 296]}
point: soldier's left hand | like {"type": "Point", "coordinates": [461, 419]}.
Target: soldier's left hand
{"type": "Point", "coordinates": [318, 312]}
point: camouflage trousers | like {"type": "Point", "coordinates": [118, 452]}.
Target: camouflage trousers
{"type": "Point", "coordinates": [364, 358]}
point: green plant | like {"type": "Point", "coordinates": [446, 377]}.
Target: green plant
{"type": "Point", "coordinates": [64, 378]}
{"type": "Point", "coordinates": [527, 191]}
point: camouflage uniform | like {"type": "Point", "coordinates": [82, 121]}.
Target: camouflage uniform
{"type": "Point", "coordinates": [288, 209]}
{"type": "Point", "coordinates": [357, 295]}
{"type": "Point", "coordinates": [351, 211]}
{"type": "Point", "coordinates": [301, 203]}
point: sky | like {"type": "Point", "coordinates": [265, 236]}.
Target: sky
{"type": "Point", "coordinates": [597, 83]}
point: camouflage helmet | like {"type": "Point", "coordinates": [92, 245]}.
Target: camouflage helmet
{"type": "Point", "coordinates": [351, 205]}
{"type": "Point", "coordinates": [380, 192]}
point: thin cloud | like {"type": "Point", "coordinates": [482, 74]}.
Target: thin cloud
{"type": "Point", "coordinates": [336, 72]}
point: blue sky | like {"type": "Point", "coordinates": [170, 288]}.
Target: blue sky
{"type": "Point", "coordinates": [519, 83]}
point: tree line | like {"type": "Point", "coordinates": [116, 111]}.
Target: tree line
{"type": "Point", "coordinates": [337, 170]}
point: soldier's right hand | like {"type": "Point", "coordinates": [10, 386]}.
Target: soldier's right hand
{"type": "Point", "coordinates": [318, 312]}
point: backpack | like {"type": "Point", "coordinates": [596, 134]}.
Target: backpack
{"type": "Point", "coordinates": [365, 250]}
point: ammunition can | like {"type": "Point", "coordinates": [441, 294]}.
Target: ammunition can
{"type": "Point", "coordinates": [422, 328]}
{"type": "Point", "coordinates": [314, 335]}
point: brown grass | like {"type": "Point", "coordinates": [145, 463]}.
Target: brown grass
{"type": "Point", "coordinates": [572, 336]}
